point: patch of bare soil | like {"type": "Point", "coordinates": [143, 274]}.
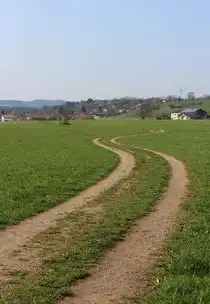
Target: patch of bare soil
{"type": "Point", "coordinates": [123, 273]}
{"type": "Point", "coordinates": [13, 240]}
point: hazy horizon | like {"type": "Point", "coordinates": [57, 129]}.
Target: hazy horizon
{"type": "Point", "coordinates": [73, 50]}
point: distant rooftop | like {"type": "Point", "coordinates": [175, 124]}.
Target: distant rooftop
{"type": "Point", "coordinates": [189, 110]}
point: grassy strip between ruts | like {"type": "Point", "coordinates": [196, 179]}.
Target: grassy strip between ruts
{"type": "Point", "coordinates": [92, 234]}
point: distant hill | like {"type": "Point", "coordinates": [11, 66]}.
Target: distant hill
{"type": "Point", "coordinates": [30, 104]}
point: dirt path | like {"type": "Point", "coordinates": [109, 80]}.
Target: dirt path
{"type": "Point", "coordinates": [156, 131]}
{"type": "Point", "coordinates": [15, 237]}
{"type": "Point", "coordinates": [123, 272]}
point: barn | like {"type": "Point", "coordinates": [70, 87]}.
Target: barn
{"type": "Point", "coordinates": [193, 114]}
{"type": "Point", "coordinates": [187, 114]}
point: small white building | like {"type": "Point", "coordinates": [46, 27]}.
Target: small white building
{"type": "Point", "coordinates": [183, 116]}
{"type": "Point", "coordinates": [96, 116]}
{"type": "Point", "coordinates": [175, 115]}
{"type": "Point", "coordinates": [179, 115]}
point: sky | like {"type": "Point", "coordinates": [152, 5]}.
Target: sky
{"type": "Point", "coordinates": [78, 49]}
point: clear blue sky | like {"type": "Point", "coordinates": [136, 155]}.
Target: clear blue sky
{"type": "Point", "coordinates": [75, 49]}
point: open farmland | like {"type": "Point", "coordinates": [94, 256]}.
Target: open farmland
{"type": "Point", "coordinates": [83, 236]}
{"type": "Point", "coordinates": [44, 164]}
{"type": "Point", "coordinates": [184, 270]}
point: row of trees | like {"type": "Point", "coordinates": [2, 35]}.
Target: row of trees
{"type": "Point", "coordinates": [140, 106]}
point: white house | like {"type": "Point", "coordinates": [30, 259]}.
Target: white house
{"type": "Point", "coordinates": [187, 114]}
{"type": "Point", "coordinates": [8, 117]}
{"type": "Point", "coordinates": [184, 116]}
{"type": "Point", "coordinates": [175, 115]}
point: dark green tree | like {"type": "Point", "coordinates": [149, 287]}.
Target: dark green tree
{"type": "Point", "coordinates": [145, 110]}
{"type": "Point", "coordinates": [83, 109]}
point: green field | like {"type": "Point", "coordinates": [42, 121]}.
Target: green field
{"type": "Point", "coordinates": [90, 234]}
{"type": "Point", "coordinates": [185, 272]}
{"type": "Point", "coordinates": [42, 163]}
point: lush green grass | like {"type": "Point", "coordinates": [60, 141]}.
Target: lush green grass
{"type": "Point", "coordinates": [164, 108]}
{"type": "Point", "coordinates": [185, 272]}
{"type": "Point", "coordinates": [92, 233]}
{"type": "Point", "coordinates": [43, 164]}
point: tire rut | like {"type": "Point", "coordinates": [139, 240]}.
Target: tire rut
{"type": "Point", "coordinates": [15, 237]}
{"type": "Point", "coordinates": [123, 273]}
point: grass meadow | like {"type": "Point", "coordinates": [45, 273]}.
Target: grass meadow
{"type": "Point", "coordinates": [42, 164]}
{"type": "Point", "coordinates": [86, 236]}
{"type": "Point", "coordinates": [184, 272]}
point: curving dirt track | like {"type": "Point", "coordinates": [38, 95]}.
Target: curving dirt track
{"type": "Point", "coordinates": [15, 237]}
{"type": "Point", "coordinates": [123, 272]}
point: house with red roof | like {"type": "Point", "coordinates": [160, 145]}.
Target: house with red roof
{"type": "Point", "coordinates": [8, 117]}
